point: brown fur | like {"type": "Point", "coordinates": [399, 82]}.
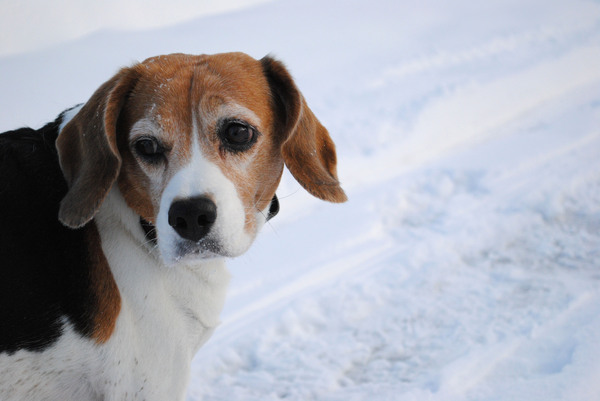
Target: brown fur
{"type": "Point", "coordinates": [105, 290]}
{"type": "Point", "coordinates": [88, 151]}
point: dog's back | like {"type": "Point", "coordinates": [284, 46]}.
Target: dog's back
{"type": "Point", "coordinates": [42, 273]}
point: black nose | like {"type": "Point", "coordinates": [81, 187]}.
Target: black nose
{"type": "Point", "coordinates": [192, 218]}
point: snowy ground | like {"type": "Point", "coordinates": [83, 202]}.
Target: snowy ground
{"type": "Point", "coordinates": [466, 264]}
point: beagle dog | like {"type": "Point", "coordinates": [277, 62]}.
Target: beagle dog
{"type": "Point", "coordinates": [115, 220]}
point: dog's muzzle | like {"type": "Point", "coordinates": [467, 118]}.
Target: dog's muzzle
{"type": "Point", "coordinates": [192, 218]}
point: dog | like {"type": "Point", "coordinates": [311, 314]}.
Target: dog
{"type": "Point", "coordinates": [116, 219]}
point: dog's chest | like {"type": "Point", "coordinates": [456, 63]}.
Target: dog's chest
{"type": "Point", "coordinates": [167, 313]}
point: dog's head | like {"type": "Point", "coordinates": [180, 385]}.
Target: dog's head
{"type": "Point", "coordinates": [196, 145]}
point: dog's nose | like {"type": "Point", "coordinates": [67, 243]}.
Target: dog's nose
{"type": "Point", "coordinates": [192, 218]}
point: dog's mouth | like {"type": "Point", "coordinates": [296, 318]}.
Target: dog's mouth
{"type": "Point", "coordinates": [206, 248]}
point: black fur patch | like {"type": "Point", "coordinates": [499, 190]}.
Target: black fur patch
{"type": "Point", "coordinates": [273, 208]}
{"type": "Point", "coordinates": [149, 230]}
{"type": "Point", "coordinates": [44, 266]}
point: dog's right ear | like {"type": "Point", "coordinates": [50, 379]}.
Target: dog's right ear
{"type": "Point", "coordinates": [87, 150]}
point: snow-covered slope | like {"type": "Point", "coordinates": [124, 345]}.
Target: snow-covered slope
{"type": "Point", "coordinates": [466, 264]}
{"type": "Point", "coordinates": [35, 24]}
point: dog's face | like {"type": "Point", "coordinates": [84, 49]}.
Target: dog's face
{"type": "Point", "coordinates": [200, 159]}
{"type": "Point", "coordinates": [196, 145]}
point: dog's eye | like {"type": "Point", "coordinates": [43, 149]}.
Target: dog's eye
{"type": "Point", "coordinates": [149, 149]}
{"type": "Point", "coordinates": [237, 135]}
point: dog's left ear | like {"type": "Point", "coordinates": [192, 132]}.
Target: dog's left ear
{"type": "Point", "coordinates": [307, 148]}
{"type": "Point", "coordinates": [87, 150]}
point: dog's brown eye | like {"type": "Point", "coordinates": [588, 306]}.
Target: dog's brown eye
{"type": "Point", "coordinates": [149, 149]}
{"type": "Point", "coordinates": [237, 135]}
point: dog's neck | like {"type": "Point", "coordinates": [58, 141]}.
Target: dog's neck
{"type": "Point", "coordinates": [185, 298]}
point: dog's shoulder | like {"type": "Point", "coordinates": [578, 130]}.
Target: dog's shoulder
{"type": "Point", "coordinates": [44, 266]}
{"type": "Point", "coordinates": [27, 152]}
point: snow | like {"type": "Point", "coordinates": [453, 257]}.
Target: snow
{"type": "Point", "coordinates": [35, 25]}
{"type": "Point", "coordinates": [465, 265]}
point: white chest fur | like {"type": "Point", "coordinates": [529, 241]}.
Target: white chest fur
{"type": "Point", "coordinates": [167, 313]}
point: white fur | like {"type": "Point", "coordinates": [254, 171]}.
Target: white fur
{"type": "Point", "coordinates": [203, 178]}
{"type": "Point", "coordinates": [167, 313]}
{"type": "Point", "coordinates": [50, 375]}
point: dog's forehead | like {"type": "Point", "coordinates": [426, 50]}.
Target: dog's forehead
{"type": "Point", "coordinates": [235, 75]}
{"type": "Point", "coordinates": [179, 87]}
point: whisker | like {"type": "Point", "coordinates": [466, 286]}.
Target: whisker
{"type": "Point", "coordinates": [290, 195]}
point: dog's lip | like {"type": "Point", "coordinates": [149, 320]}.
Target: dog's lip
{"type": "Point", "coordinates": [204, 249]}
{"type": "Point", "coordinates": [186, 250]}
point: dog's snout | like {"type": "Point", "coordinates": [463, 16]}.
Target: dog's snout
{"type": "Point", "coordinates": [192, 218]}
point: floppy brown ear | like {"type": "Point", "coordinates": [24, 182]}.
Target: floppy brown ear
{"type": "Point", "coordinates": [87, 150]}
{"type": "Point", "coordinates": [307, 148]}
